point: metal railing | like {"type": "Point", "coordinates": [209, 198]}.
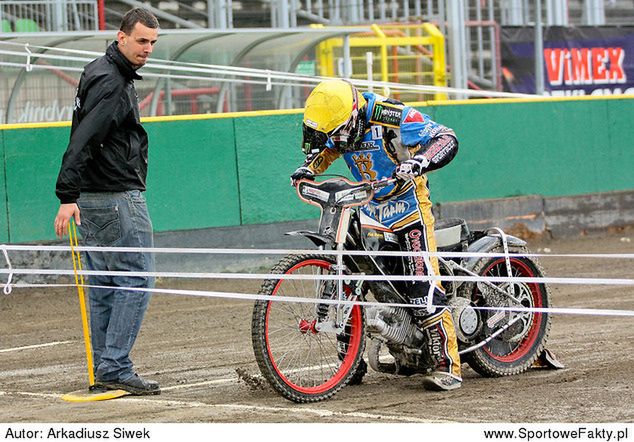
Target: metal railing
{"type": "Point", "coordinates": [48, 15]}
{"type": "Point", "coordinates": [399, 53]}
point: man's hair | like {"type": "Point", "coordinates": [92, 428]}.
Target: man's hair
{"type": "Point", "coordinates": [138, 15]}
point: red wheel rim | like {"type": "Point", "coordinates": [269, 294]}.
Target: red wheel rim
{"type": "Point", "coordinates": [344, 368]}
{"type": "Point", "coordinates": [536, 295]}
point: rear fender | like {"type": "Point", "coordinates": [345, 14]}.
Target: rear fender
{"type": "Point", "coordinates": [489, 243]}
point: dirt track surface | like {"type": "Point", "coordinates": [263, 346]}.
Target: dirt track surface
{"type": "Point", "coordinates": [199, 349]}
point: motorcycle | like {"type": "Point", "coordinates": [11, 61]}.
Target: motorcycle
{"type": "Point", "coordinates": [308, 351]}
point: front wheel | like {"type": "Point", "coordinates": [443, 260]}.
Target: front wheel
{"type": "Point", "coordinates": [301, 362]}
{"type": "Point", "coordinates": [514, 350]}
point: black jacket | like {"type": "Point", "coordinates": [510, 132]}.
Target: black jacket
{"type": "Point", "coordinates": [108, 147]}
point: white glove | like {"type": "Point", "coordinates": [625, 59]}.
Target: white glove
{"type": "Point", "coordinates": [410, 169]}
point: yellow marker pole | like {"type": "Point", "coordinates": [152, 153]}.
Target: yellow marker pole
{"type": "Point", "coordinates": [92, 394]}
{"type": "Point", "coordinates": [79, 282]}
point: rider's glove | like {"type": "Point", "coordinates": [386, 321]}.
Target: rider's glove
{"type": "Point", "coordinates": [412, 168]}
{"type": "Point", "coordinates": [302, 172]}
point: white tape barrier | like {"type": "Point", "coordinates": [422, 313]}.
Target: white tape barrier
{"type": "Point", "coordinates": [226, 251]}
{"type": "Point", "coordinates": [356, 277]}
{"type": "Point", "coordinates": [200, 275]}
{"type": "Point", "coordinates": [259, 297]}
{"type": "Point", "coordinates": [353, 277]}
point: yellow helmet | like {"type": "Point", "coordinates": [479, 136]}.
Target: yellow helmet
{"type": "Point", "coordinates": [332, 110]}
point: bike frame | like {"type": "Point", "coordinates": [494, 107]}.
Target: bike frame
{"type": "Point", "coordinates": [339, 214]}
{"type": "Point", "coordinates": [338, 211]}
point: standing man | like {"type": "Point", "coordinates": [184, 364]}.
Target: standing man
{"type": "Point", "coordinates": [101, 184]}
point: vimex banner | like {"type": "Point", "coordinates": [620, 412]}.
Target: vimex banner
{"type": "Point", "coordinates": [585, 60]}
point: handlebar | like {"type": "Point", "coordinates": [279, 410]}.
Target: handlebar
{"type": "Point", "coordinates": [340, 191]}
{"type": "Point", "coordinates": [374, 185]}
{"type": "Point", "coordinates": [380, 184]}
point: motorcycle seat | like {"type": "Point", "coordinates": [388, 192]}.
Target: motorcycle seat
{"type": "Point", "coordinates": [450, 232]}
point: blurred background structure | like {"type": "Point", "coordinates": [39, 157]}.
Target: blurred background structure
{"type": "Point", "coordinates": [226, 55]}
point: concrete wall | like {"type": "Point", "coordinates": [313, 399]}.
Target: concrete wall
{"type": "Point", "coordinates": [232, 170]}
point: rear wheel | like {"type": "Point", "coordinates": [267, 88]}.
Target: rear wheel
{"type": "Point", "coordinates": [514, 350]}
{"type": "Point", "coordinates": [301, 362]}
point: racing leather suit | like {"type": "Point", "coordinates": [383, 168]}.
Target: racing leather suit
{"type": "Point", "coordinates": [395, 133]}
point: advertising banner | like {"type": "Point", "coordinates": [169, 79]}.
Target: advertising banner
{"type": "Point", "coordinates": [586, 60]}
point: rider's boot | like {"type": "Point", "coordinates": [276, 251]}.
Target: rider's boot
{"type": "Point", "coordinates": [442, 348]}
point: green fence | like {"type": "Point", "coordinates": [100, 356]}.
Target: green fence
{"type": "Point", "coordinates": [544, 148]}
{"type": "Point", "coordinates": [31, 162]}
{"type": "Point", "coordinates": [4, 226]}
{"type": "Point", "coordinates": [234, 169]}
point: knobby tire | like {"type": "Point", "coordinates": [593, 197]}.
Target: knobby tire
{"type": "Point", "coordinates": [499, 358]}
{"type": "Point", "coordinates": [300, 363]}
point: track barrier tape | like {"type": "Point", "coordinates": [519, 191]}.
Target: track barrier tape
{"type": "Point", "coordinates": [292, 299]}
{"type": "Point", "coordinates": [226, 251]}
{"type": "Point", "coordinates": [354, 277]}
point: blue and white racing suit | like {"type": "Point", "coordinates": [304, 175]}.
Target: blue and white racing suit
{"type": "Point", "coordinates": [395, 133]}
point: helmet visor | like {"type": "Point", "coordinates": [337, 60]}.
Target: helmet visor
{"type": "Point", "coordinates": [345, 134]}
{"type": "Point", "coordinates": [313, 140]}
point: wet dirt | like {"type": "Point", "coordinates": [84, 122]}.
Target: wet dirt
{"type": "Point", "coordinates": [199, 349]}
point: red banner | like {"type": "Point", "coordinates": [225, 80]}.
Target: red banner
{"type": "Point", "coordinates": [577, 60]}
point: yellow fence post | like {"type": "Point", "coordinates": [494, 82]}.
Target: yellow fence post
{"type": "Point", "coordinates": [418, 56]}
{"type": "Point", "coordinates": [384, 60]}
{"type": "Point", "coordinates": [439, 63]}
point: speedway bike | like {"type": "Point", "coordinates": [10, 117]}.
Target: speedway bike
{"type": "Point", "coordinates": [352, 305]}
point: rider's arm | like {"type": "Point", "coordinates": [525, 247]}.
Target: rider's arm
{"type": "Point", "coordinates": [322, 161]}
{"type": "Point", "coordinates": [315, 164]}
{"type": "Point", "coordinates": [438, 153]}
{"type": "Point", "coordinates": [432, 145]}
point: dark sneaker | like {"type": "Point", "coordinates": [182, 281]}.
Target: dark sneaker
{"type": "Point", "coordinates": [135, 385]}
{"type": "Point", "coordinates": [438, 381]}
{"type": "Point", "coordinates": [97, 388]}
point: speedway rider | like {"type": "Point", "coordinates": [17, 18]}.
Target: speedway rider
{"type": "Point", "coordinates": [380, 138]}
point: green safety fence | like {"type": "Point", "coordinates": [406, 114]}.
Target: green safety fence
{"type": "Point", "coordinates": [231, 170]}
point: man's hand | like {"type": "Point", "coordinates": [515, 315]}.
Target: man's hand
{"type": "Point", "coordinates": [62, 220]}
{"type": "Point", "coordinates": [410, 169]}
{"type": "Point", "coordinates": [301, 173]}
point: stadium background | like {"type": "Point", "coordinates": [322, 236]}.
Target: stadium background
{"type": "Point", "coordinates": [230, 170]}
{"type": "Point", "coordinates": [557, 171]}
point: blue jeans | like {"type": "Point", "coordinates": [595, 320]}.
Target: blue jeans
{"type": "Point", "coordinates": [116, 220]}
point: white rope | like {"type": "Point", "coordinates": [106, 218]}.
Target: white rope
{"type": "Point", "coordinates": [288, 81]}
{"type": "Point", "coordinates": [236, 251]}
{"type": "Point", "coordinates": [260, 297]}
{"type": "Point", "coordinates": [216, 275]}
{"type": "Point", "coordinates": [157, 75]}
{"type": "Point", "coordinates": [353, 277]}
{"type": "Point", "coordinates": [266, 75]}
{"type": "Point", "coordinates": [273, 276]}
{"type": "Point", "coordinates": [39, 66]}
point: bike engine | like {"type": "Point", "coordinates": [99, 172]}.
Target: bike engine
{"type": "Point", "coordinates": [394, 324]}
{"type": "Point", "coordinates": [396, 344]}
